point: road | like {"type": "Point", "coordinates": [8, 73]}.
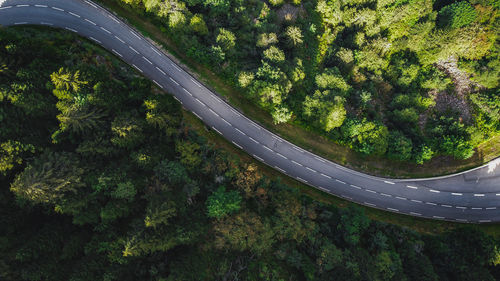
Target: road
{"type": "Point", "coordinates": [472, 197]}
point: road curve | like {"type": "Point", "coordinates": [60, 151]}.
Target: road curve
{"type": "Point", "coordinates": [469, 197]}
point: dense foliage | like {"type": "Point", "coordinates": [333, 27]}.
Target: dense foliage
{"type": "Point", "coordinates": [362, 72]}
{"type": "Point", "coordinates": [102, 180]}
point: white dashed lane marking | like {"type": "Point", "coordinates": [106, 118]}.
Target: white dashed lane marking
{"type": "Point", "coordinates": [105, 30]}
{"type": "Point", "coordinates": [456, 194]}
{"type": "Point", "coordinates": [386, 195]}
{"type": "Point", "coordinates": [412, 187]}
{"type": "Point", "coordinates": [297, 163]}
{"type": "Point", "coordinates": [22, 5]}
{"type": "Point", "coordinates": [18, 23]}
{"type": "Point", "coordinates": [57, 9]}
{"type": "Point", "coordinates": [371, 191]}
{"type": "Point", "coordinates": [267, 148]}
{"type": "Point", "coordinates": [355, 186]}
{"type": "Point", "coordinates": [435, 191]}
{"type": "Point", "coordinates": [478, 195]}
{"type": "Point", "coordinates": [119, 39]}
{"type": "Point", "coordinates": [312, 170]}
{"type": "Point", "coordinates": [326, 176]}
{"type": "Point", "coordinates": [281, 155]}
{"type": "Point", "coordinates": [252, 139]}
{"type": "Point", "coordinates": [75, 15]}
{"type": "Point", "coordinates": [91, 22]}
{"type": "Point", "coordinates": [41, 6]}
{"type": "Point", "coordinates": [400, 198]}
{"type": "Point", "coordinates": [339, 181]}
{"type": "Point", "coordinates": [163, 72]}
{"type": "Point", "coordinates": [225, 121]}
{"type": "Point", "coordinates": [213, 112]}
{"type": "Point", "coordinates": [389, 182]}
{"type": "Point", "coordinates": [135, 51]}
{"type": "Point", "coordinates": [147, 60]}
{"type": "Point", "coordinates": [174, 81]}
{"type": "Point", "coordinates": [240, 131]}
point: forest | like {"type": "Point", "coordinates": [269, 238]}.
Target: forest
{"type": "Point", "coordinates": [404, 79]}
{"type": "Point", "coordinates": [102, 178]}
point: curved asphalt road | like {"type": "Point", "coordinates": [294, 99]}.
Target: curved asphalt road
{"type": "Point", "coordinates": [473, 196]}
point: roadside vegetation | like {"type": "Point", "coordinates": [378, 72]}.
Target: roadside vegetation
{"type": "Point", "coordinates": [102, 178]}
{"type": "Point", "coordinates": [401, 80]}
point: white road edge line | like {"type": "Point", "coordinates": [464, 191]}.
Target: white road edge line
{"type": "Point", "coordinates": [258, 158]}
{"type": "Point", "coordinates": [158, 84]}
{"type": "Point", "coordinates": [197, 84]}
{"type": "Point", "coordinates": [71, 29]}
{"type": "Point", "coordinates": [215, 129]}
{"type": "Point", "coordinates": [239, 146]}
{"type": "Point", "coordinates": [91, 4]}
{"type": "Point", "coordinates": [301, 179]}
{"type": "Point", "coordinates": [197, 115]}
{"type": "Point", "coordinates": [92, 38]}
{"type": "Point", "coordinates": [116, 52]}
{"type": "Point", "coordinates": [136, 67]}
{"type": "Point", "coordinates": [279, 169]}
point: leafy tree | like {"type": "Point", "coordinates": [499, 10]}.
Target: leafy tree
{"type": "Point", "coordinates": [226, 39]}
{"type": "Point", "coordinates": [274, 54]}
{"type": "Point", "coordinates": [245, 79]}
{"type": "Point", "coordinates": [222, 203]}
{"type": "Point", "coordinates": [353, 223]}
{"type": "Point", "coordinates": [198, 25]}
{"type": "Point", "coordinates": [281, 115]}
{"type": "Point", "coordinates": [244, 231]}
{"type": "Point", "coordinates": [366, 136]}
{"type": "Point", "coordinates": [266, 39]}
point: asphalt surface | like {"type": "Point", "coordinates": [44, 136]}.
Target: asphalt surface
{"type": "Point", "coordinates": [473, 196]}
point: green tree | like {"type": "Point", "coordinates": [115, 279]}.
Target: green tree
{"type": "Point", "coordinates": [274, 54]}
{"type": "Point", "coordinates": [294, 35]}
{"type": "Point", "coordinates": [49, 178]}
{"type": "Point", "coordinates": [198, 25]}
{"type": "Point", "coordinates": [226, 39]}
{"type": "Point", "coordinates": [12, 154]}
{"type": "Point", "coordinates": [64, 79]}
{"type": "Point", "coordinates": [457, 14]}
{"type": "Point", "coordinates": [281, 115]}
{"type": "Point", "coordinates": [221, 203]}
